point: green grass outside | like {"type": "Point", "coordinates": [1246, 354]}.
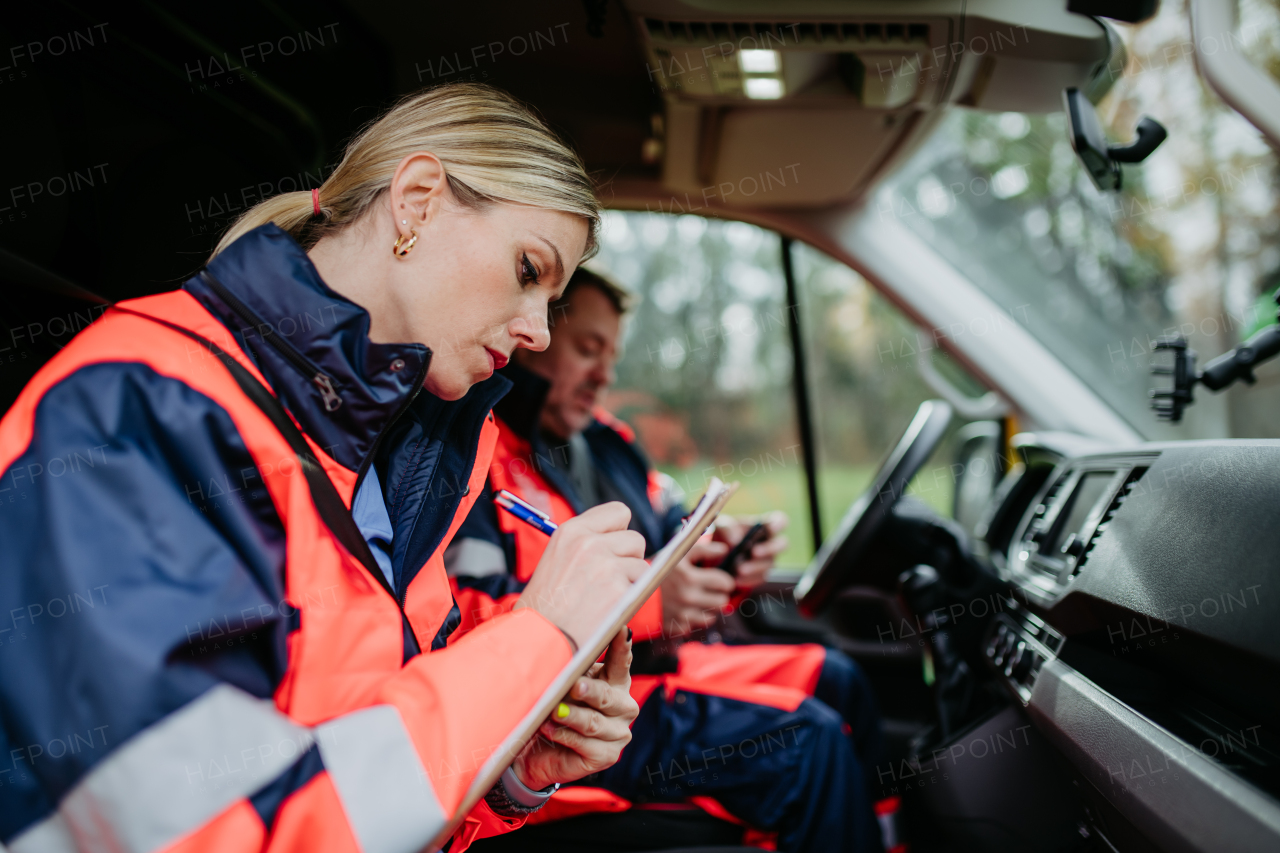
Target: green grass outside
{"type": "Point", "coordinates": [783, 488]}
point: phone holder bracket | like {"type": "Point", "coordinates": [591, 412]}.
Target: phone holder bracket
{"type": "Point", "coordinates": [1238, 364]}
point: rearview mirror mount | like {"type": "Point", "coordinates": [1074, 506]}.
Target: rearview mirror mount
{"type": "Point", "coordinates": [1100, 160]}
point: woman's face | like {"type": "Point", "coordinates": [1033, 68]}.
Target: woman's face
{"type": "Point", "coordinates": [492, 274]}
{"type": "Point", "coordinates": [476, 284]}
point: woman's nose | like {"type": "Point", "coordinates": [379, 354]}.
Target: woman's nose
{"type": "Point", "coordinates": [531, 332]}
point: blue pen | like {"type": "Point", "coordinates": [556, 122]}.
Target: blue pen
{"type": "Point", "coordinates": [528, 514]}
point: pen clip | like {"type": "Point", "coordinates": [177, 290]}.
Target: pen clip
{"type": "Point", "coordinates": [504, 495]}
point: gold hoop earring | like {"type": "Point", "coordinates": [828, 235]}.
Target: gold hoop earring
{"type": "Point", "coordinates": [400, 251]}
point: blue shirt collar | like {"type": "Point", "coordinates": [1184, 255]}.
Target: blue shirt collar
{"type": "Point", "coordinates": [370, 513]}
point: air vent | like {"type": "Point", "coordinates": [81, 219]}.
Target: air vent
{"type": "Point", "coordinates": [1037, 518]}
{"type": "Point", "coordinates": [781, 34]}
{"type": "Point", "coordinates": [1121, 496]}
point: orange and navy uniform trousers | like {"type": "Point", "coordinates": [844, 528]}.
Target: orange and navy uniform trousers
{"type": "Point", "coordinates": [190, 661]}
{"type": "Point", "coordinates": [777, 737]}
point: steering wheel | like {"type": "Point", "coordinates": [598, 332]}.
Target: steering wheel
{"type": "Point", "coordinates": [837, 560]}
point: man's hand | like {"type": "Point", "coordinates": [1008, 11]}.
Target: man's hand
{"type": "Point", "coordinates": [692, 596]}
{"type": "Point", "coordinates": [587, 731]}
{"type": "Point", "coordinates": [589, 565]}
{"type": "Point", "coordinates": [762, 558]}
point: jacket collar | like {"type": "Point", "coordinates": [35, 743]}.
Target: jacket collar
{"type": "Point", "coordinates": [271, 275]}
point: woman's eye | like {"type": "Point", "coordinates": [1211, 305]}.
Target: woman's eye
{"type": "Point", "coordinates": [528, 272]}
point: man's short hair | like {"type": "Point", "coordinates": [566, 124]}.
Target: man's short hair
{"type": "Point", "coordinates": [619, 297]}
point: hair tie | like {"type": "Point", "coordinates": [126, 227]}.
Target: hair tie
{"type": "Point", "coordinates": [315, 201]}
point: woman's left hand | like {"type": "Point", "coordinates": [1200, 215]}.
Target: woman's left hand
{"type": "Point", "coordinates": [587, 731]}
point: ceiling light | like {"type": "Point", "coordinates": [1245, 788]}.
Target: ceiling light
{"type": "Point", "coordinates": [763, 88]}
{"type": "Point", "coordinates": [760, 61]}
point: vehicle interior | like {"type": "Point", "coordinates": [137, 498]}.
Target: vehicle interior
{"type": "Point", "coordinates": [905, 271]}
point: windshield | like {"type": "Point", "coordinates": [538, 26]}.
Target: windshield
{"type": "Point", "coordinates": [1190, 245]}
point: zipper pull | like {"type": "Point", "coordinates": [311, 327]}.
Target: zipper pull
{"type": "Point", "coordinates": [330, 397]}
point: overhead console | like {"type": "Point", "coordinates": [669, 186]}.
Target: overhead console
{"type": "Point", "coordinates": [838, 89]}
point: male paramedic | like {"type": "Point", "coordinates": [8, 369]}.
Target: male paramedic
{"type": "Point", "coordinates": [778, 737]}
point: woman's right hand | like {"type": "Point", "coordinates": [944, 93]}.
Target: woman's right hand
{"type": "Point", "coordinates": [589, 564]}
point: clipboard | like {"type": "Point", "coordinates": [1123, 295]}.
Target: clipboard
{"type": "Point", "coordinates": [704, 513]}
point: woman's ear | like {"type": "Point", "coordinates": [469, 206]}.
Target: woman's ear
{"type": "Point", "coordinates": [419, 188]}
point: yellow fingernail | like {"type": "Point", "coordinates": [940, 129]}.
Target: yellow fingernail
{"type": "Point", "coordinates": [562, 710]}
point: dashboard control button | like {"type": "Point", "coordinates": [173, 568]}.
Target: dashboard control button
{"type": "Point", "coordinates": [997, 637]}
{"type": "Point", "coordinates": [1074, 546]}
{"type": "Point", "coordinates": [1007, 644]}
{"type": "Point", "coordinates": [1015, 657]}
{"type": "Point", "coordinates": [1022, 664]}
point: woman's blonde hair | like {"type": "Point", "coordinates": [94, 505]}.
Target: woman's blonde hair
{"type": "Point", "coordinates": [494, 149]}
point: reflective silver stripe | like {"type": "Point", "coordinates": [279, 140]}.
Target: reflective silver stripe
{"type": "Point", "coordinates": [174, 777]}
{"type": "Point", "coordinates": [389, 800]}
{"type": "Point", "coordinates": [474, 558]}
{"type": "Point", "coordinates": [48, 836]}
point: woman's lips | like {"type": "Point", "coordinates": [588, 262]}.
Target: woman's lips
{"type": "Point", "coordinates": [498, 360]}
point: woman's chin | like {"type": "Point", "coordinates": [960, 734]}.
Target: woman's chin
{"type": "Point", "coordinates": [448, 389]}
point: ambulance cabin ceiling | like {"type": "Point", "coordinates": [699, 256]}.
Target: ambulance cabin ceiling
{"type": "Point", "coordinates": [804, 104]}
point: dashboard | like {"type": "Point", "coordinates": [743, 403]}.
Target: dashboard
{"type": "Point", "coordinates": [1142, 630]}
{"type": "Point", "coordinates": [1185, 533]}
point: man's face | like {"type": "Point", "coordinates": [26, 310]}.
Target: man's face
{"type": "Point", "coordinates": [579, 361]}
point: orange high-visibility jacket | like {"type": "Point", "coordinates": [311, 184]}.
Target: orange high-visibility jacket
{"type": "Point", "coordinates": [189, 660]}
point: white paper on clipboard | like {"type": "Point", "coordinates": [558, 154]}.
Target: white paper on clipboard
{"type": "Point", "coordinates": [708, 507]}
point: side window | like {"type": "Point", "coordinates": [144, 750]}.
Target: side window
{"type": "Point", "coordinates": [868, 365]}
{"type": "Point", "coordinates": [706, 375]}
